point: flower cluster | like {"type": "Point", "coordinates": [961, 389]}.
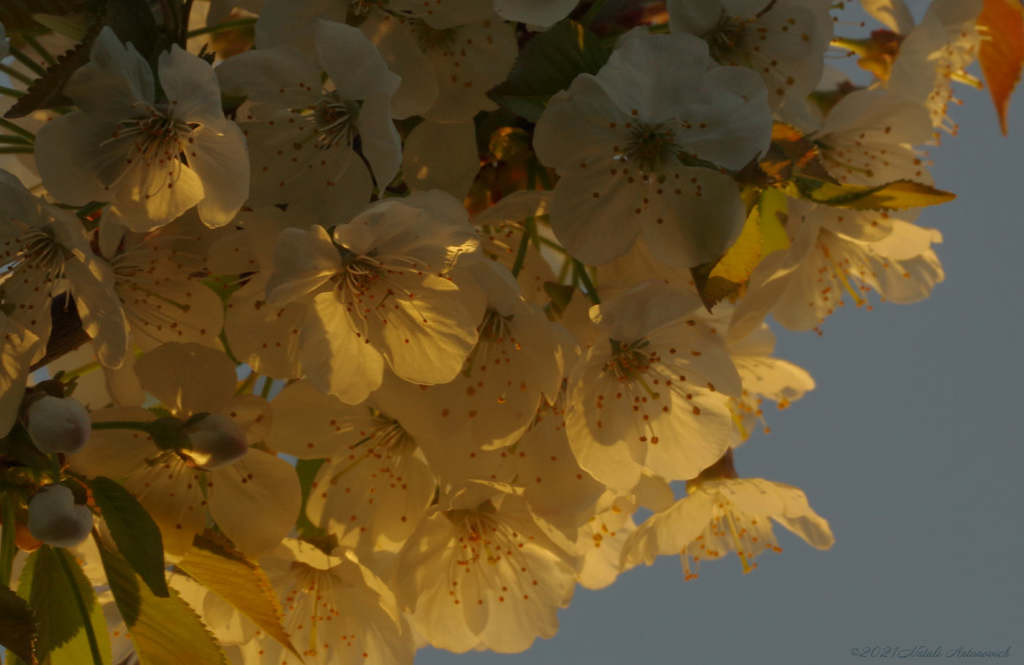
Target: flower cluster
{"type": "Point", "coordinates": [336, 328]}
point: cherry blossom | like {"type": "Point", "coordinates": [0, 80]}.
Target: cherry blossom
{"type": "Point", "coordinates": [152, 159]}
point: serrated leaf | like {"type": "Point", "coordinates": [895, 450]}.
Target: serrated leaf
{"type": "Point", "coordinates": [17, 626]}
{"type": "Point", "coordinates": [548, 63]}
{"type": "Point", "coordinates": [763, 233]}
{"type": "Point", "coordinates": [1001, 55]}
{"type": "Point", "coordinates": [45, 92]}
{"type": "Point", "coordinates": [896, 195]}
{"type": "Point", "coordinates": [165, 631]}
{"type": "Point", "coordinates": [72, 624]}
{"type": "Point", "coordinates": [228, 573]}
{"type": "Point", "coordinates": [134, 532]}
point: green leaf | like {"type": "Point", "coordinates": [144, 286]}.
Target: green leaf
{"type": "Point", "coordinates": [227, 572]}
{"type": "Point", "coordinates": [134, 532]}
{"type": "Point", "coordinates": [165, 631]}
{"type": "Point", "coordinates": [72, 629]}
{"type": "Point", "coordinates": [896, 195]}
{"type": "Point", "coordinates": [548, 63]}
{"type": "Point", "coordinates": [18, 632]}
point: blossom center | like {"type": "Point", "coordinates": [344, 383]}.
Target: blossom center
{"type": "Point", "coordinates": [651, 146]}
{"type": "Point", "coordinates": [360, 272]}
{"type": "Point", "coordinates": [41, 251]}
{"type": "Point", "coordinates": [726, 37]}
{"type": "Point", "coordinates": [629, 361]}
{"type": "Point", "coordinates": [156, 135]}
{"type": "Point", "coordinates": [495, 327]}
{"type": "Point", "coordinates": [433, 39]}
{"type": "Point", "coordinates": [336, 121]}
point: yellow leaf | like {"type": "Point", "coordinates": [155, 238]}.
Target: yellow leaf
{"type": "Point", "coordinates": [896, 195]}
{"type": "Point", "coordinates": [227, 572]}
{"type": "Point", "coordinates": [1001, 55]}
{"type": "Point", "coordinates": [763, 233]}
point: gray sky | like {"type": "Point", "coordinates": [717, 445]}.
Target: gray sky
{"type": "Point", "coordinates": [910, 447]}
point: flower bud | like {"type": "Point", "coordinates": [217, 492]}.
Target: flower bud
{"type": "Point", "coordinates": [58, 425]}
{"type": "Point", "coordinates": [216, 440]}
{"type": "Point", "coordinates": [55, 519]}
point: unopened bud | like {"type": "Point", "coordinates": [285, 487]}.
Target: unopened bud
{"type": "Point", "coordinates": [58, 424]}
{"type": "Point", "coordinates": [55, 519]}
{"type": "Point", "coordinates": [216, 440]}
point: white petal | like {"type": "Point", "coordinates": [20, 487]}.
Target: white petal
{"type": "Point", "coordinates": [259, 484]}
{"type": "Point", "coordinates": [188, 378]}
{"type": "Point", "coordinates": [221, 160]}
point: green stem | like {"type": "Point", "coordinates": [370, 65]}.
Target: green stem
{"type": "Point", "coordinates": [7, 545]}
{"type": "Point", "coordinates": [11, 92]}
{"type": "Point", "coordinates": [524, 243]}
{"type": "Point", "coordinates": [268, 383]}
{"type": "Point", "coordinates": [7, 124]}
{"type": "Point", "coordinates": [552, 244]}
{"type": "Point", "coordinates": [227, 348]}
{"type": "Point", "coordinates": [20, 150]}
{"type": "Point", "coordinates": [20, 56]}
{"type": "Point", "coordinates": [90, 631]}
{"type": "Point", "coordinates": [221, 27]}
{"type": "Point", "coordinates": [246, 384]}
{"type": "Point", "coordinates": [14, 140]}
{"type": "Point", "coordinates": [122, 424]}
{"type": "Point", "coordinates": [580, 271]}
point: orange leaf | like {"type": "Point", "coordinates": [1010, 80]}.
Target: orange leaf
{"type": "Point", "coordinates": [1002, 50]}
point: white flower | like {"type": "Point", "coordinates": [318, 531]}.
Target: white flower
{"type": "Point", "coordinates": [266, 337]}
{"type": "Point", "coordinates": [302, 127]}
{"type": "Point", "coordinates": [495, 396]}
{"type": "Point", "coordinates": [184, 485]}
{"type": "Point", "coordinates": [723, 515]}
{"type": "Point", "coordinates": [624, 143]}
{"type": "Point", "coordinates": [938, 49]}
{"type": "Point", "coordinates": [336, 611]}
{"type": "Point", "coordinates": [155, 277]}
{"type": "Point", "coordinates": [152, 159]}
{"type": "Point", "coordinates": [45, 253]}
{"type": "Point", "coordinates": [869, 136]}
{"type": "Point", "coordinates": [374, 488]}
{"type": "Point", "coordinates": [764, 376]}
{"type": "Point", "coordinates": [381, 293]}
{"type": "Point", "coordinates": [655, 394]}
{"type": "Point", "coordinates": [58, 424]}
{"type": "Point", "coordinates": [836, 253]}
{"type": "Point", "coordinates": [782, 40]}
{"type": "Point", "coordinates": [55, 519]}
{"type": "Point", "coordinates": [446, 71]}
{"type": "Point", "coordinates": [479, 574]}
